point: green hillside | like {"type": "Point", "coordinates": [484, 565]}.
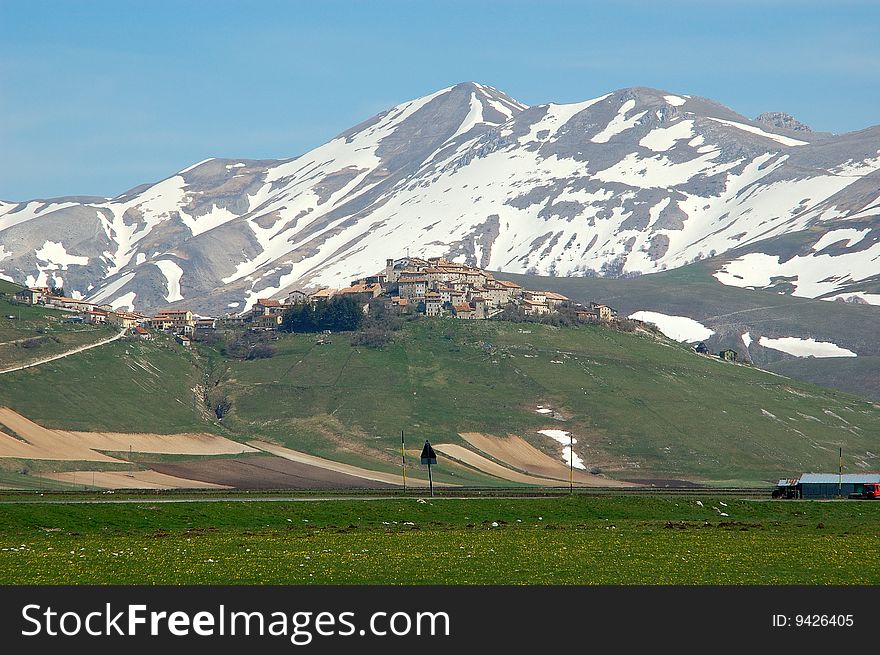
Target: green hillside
{"type": "Point", "coordinates": [731, 311]}
{"type": "Point", "coordinates": [640, 407]}
{"type": "Point", "coordinates": [29, 333]}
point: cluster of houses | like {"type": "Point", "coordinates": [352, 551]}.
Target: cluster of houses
{"type": "Point", "coordinates": [180, 322]}
{"type": "Point", "coordinates": [433, 287]}
{"type": "Point", "coordinates": [438, 287]}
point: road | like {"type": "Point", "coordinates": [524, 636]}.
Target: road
{"type": "Point", "coordinates": [66, 354]}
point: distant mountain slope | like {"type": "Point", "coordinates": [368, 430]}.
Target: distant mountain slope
{"type": "Point", "coordinates": [635, 181]}
{"type": "Point", "coordinates": [759, 325]}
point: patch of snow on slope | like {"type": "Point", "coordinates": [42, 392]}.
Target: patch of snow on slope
{"type": "Point", "coordinates": [572, 459]}
{"type": "Point", "coordinates": [784, 140]}
{"type": "Point", "coordinates": [196, 165]}
{"type": "Point", "coordinates": [661, 172]}
{"type": "Point", "coordinates": [675, 101]}
{"type": "Point", "coordinates": [31, 210]}
{"type": "Point", "coordinates": [620, 123]}
{"type": "Point", "coordinates": [805, 347]}
{"type": "Point", "coordinates": [172, 273]}
{"type": "Point", "coordinates": [125, 300]}
{"type": "Point", "coordinates": [662, 139]}
{"type": "Point", "coordinates": [107, 292]}
{"type": "Point", "coordinates": [557, 116]}
{"type": "Point", "coordinates": [813, 275]}
{"type": "Point", "coordinates": [680, 328]}
{"type": "Point", "coordinates": [870, 298]}
{"type": "Point", "coordinates": [474, 117]}
{"type": "Point", "coordinates": [851, 236]}
{"type": "Point", "coordinates": [214, 218]}
{"type": "Point", "coordinates": [747, 339]}
{"type": "Point", "coordinates": [55, 254]}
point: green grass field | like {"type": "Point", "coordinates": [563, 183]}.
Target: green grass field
{"type": "Point", "coordinates": [46, 330]}
{"type": "Point", "coordinates": [567, 540]}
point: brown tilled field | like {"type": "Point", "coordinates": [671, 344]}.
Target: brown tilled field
{"type": "Point", "coordinates": [518, 453]}
{"type": "Point", "coordinates": [129, 480]}
{"type": "Point", "coordinates": [264, 472]}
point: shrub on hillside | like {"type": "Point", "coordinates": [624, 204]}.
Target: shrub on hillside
{"type": "Point", "coordinates": [371, 338]}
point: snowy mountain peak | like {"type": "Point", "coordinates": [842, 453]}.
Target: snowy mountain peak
{"type": "Point", "coordinates": [634, 181]}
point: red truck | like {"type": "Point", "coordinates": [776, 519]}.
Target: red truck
{"type": "Point", "coordinates": [870, 491]}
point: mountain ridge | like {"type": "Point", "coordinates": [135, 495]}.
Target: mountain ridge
{"type": "Point", "coordinates": [635, 181]}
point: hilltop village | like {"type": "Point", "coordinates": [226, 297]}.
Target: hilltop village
{"type": "Point", "coordinates": [432, 287]}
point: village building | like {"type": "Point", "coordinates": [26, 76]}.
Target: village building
{"type": "Point", "coordinates": [32, 296]}
{"type": "Point", "coordinates": [96, 317]}
{"type": "Point", "coordinates": [433, 304]}
{"type": "Point", "coordinates": [296, 298]}
{"type": "Point", "coordinates": [464, 311]}
{"type": "Point", "coordinates": [553, 299]}
{"type": "Point", "coordinates": [266, 307]}
{"type": "Point", "coordinates": [479, 305]}
{"type": "Point", "coordinates": [534, 307]}
{"type": "Point", "coordinates": [535, 296]}
{"type": "Point", "coordinates": [71, 303]}
{"type": "Point", "coordinates": [183, 340]}
{"type": "Point", "coordinates": [142, 333]}
{"type": "Point", "coordinates": [412, 287]}
{"type": "Point", "coordinates": [361, 292]}
{"type": "Point", "coordinates": [206, 324]}
{"type": "Point", "coordinates": [322, 295]}
{"type": "Point", "coordinates": [123, 319]}
{"type": "Point", "coordinates": [267, 321]}
{"type": "Point", "coordinates": [180, 321]}
{"type": "Point", "coordinates": [513, 288]}
{"type": "Point", "coordinates": [729, 355]}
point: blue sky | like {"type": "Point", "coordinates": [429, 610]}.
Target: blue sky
{"type": "Point", "coordinates": [97, 97]}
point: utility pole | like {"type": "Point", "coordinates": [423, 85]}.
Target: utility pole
{"type": "Point", "coordinates": [571, 463]}
{"type": "Point", "coordinates": [840, 474]}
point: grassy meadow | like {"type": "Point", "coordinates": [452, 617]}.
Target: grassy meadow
{"type": "Point", "coordinates": [568, 540]}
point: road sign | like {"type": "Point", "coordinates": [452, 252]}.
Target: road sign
{"type": "Point", "coordinates": [428, 455]}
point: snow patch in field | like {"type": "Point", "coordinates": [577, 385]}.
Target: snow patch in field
{"type": "Point", "coordinates": [563, 437]}
{"type": "Point", "coordinates": [172, 273]}
{"type": "Point", "coordinates": [747, 339]}
{"type": "Point", "coordinates": [784, 140]}
{"type": "Point", "coordinates": [805, 347]}
{"type": "Point", "coordinates": [620, 123]}
{"type": "Point", "coordinates": [662, 139]}
{"type": "Point", "coordinates": [680, 328]}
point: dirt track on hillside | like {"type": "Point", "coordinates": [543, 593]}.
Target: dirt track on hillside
{"type": "Point", "coordinates": [37, 442]}
{"type": "Point", "coordinates": [518, 453]}
{"type": "Point", "coordinates": [129, 480]}
{"type": "Point", "coordinates": [264, 472]}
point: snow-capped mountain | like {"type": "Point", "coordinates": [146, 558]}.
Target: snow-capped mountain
{"type": "Point", "coordinates": [632, 182]}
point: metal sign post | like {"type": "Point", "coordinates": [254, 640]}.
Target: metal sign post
{"type": "Point", "coordinates": [403, 458]}
{"type": "Point", "coordinates": [429, 457]}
